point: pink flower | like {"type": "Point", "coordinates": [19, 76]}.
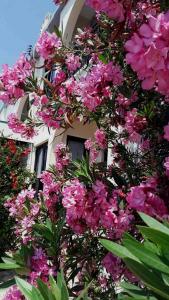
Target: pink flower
{"type": "Point", "coordinates": [13, 294]}
{"type": "Point", "coordinates": [113, 8]}
{"type": "Point", "coordinates": [136, 198]}
{"type": "Point", "coordinates": [19, 127]}
{"type": "Point", "coordinates": [144, 198]}
{"type": "Point", "coordinates": [88, 144]}
{"type": "Point", "coordinates": [40, 267]}
{"type": "Point", "coordinates": [166, 132]}
{"type": "Point", "coordinates": [148, 53]}
{"type": "Point", "coordinates": [134, 125]}
{"type": "Point", "coordinates": [101, 139]}
{"type": "Point", "coordinates": [91, 88]}
{"type": "Point", "coordinates": [13, 80]}
{"type": "Point", "coordinates": [44, 100]}
{"type": "Point", "coordinates": [113, 266]}
{"type": "Point", "coordinates": [25, 209]}
{"type": "Point", "coordinates": [166, 165]}
{"type": "Point", "coordinates": [59, 78]}
{"type": "Point", "coordinates": [62, 157]}
{"type": "Point", "coordinates": [72, 62]}
{"type": "Point", "coordinates": [47, 114]}
{"type": "Point", "coordinates": [48, 44]}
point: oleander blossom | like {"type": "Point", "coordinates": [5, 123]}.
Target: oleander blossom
{"type": "Point", "coordinates": [25, 210]}
{"type": "Point", "coordinates": [148, 53]}
{"type": "Point", "coordinates": [13, 294]}
{"type": "Point", "coordinates": [47, 45]}
{"type": "Point", "coordinates": [88, 208]}
{"type": "Point", "coordinates": [95, 87]}
{"type": "Point", "coordinates": [62, 157]}
{"type": "Point", "coordinates": [144, 198]}
{"type": "Point", "coordinates": [13, 79]}
{"type": "Point", "coordinates": [25, 130]}
{"type": "Point", "coordinates": [51, 192]}
{"type": "Point", "coordinates": [113, 8]}
{"type": "Point", "coordinates": [59, 1]}
{"type": "Point", "coordinates": [166, 132]}
{"type": "Point", "coordinates": [134, 125]}
{"type": "Point", "coordinates": [113, 265]}
{"type": "Point", "coordinates": [72, 62]}
{"type": "Point", "coordinates": [101, 139]}
{"type": "Point", "coordinates": [40, 267]}
{"type": "Point", "coordinates": [47, 115]}
{"type": "Point", "coordinates": [166, 165]}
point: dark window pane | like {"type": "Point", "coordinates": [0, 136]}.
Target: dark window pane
{"type": "Point", "coordinates": [76, 147]}
{"type": "Point", "coordinates": [40, 163]}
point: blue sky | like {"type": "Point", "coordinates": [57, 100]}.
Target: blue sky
{"type": "Point", "coordinates": [20, 22]}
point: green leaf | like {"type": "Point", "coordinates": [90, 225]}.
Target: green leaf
{"type": "Point", "coordinates": [55, 289]}
{"type": "Point", "coordinates": [156, 236]}
{"type": "Point", "coordinates": [165, 278]}
{"type": "Point", "coordinates": [150, 279]}
{"type": "Point", "coordinates": [103, 58]}
{"type": "Point", "coordinates": [36, 295]}
{"type": "Point", "coordinates": [43, 288]}
{"type": "Point", "coordinates": [146, 256]}
{"type": "Point", "coordinates": [24, 287]}
{"type": "Point", "coordinates": [117, 249]}
{"type": "Point", "coordinates": [7, 284]}
{"type": "Point", "coordinates": [8, 266]}
{"type": "Point", "coordinates": [44, 231]}
{"type": "Point", "coordinates": [64, 290]}
{"type": "Point", "coordinates": [57, 31]}
{"type": "Point", "coordinates": [8, 260]}
{"type": "Point", "coordinates": [135, 291]}
{"type": "Point", "coordinates": [84, 292]}
{"type": "Point", "coordinates": [154, 223]}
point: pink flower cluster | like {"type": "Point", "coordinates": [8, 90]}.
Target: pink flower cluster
{"type": "Point", "coordinates": [113, 265]}
{"type": "Point", "coordinates": [113, 8]}
{"type": "Point", "coordinates": [88, 208]}
{"type": "Point", "coordinates": [144, 198]}
{"type": "Point", "coordinates": [72, 62]}
{"type": "Point", "coordinates": [166, 165]}
{"type": "Point", "coordinates": [38, 100]}
{"type": "Point", "coordinates": [124, 101]}
{"type": "Point", "coordinates": [13, 80]}
{"type": "Point", "coordinates": [17, 126]}
{"type": "Point", "coordinates": [166, 132]}
{"type": "Point", "coordinates": [62, 157]}
{"type": "Point", "coordinates": [95, 86]}
{"type": "Point", "coordinates": [101, 138]}
{"type": "Point", "coordinates": [47, 45]}
{"type": "Point", "coordinates": [13, 294]}
{"type": "Point", "coordinates": [47, 115]}
{"type": "Point", "coordinates": [94, 147]}
{"type": "Point", "coordinates": [51, 190]}
{"type": "Point", "coordinates": [134, 125]}
{"type": "Point", "coordinates": [25, 210]}
{"type": "Point", "coordinates": [40, 267]}
{"type": "Point", "coordinates": [58, 1]}
{"type": "Point", "coordinates": [93, 151]}
{"type": "Point", "coordinates": [59, 78]}
{"type": "Point", "coordinates": [148, 53]}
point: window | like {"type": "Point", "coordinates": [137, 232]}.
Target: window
{"type": "Point", "coordinates": [76, 147]}
{"type": "Point", "coordinates": [40, 163]}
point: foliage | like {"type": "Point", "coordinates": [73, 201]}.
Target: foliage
{"type": "Point", "coordinates": [115, 76]}
{"type": "Point", "coordinates": [13, 178]}
{"type": "Point", "coordinates": [147, 259]}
